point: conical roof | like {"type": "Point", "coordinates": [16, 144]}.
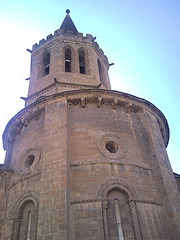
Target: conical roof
{"type": "Point", "coordinates": [68, 24]}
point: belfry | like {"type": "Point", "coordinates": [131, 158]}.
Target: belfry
{"type": "Point", "coordinates": [85, 162]}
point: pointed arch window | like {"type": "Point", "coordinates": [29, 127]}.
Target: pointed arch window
{"type": "Point", "coordinates": [82, 62]}
{"type": "Point", "coordinates": [46, 63]}
{"type": "Point", "coordinates": [67, 60]}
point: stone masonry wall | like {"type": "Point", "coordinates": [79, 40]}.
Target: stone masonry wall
{"type": "Point", "coordinates": [54, 196]}
{"type": "Point", "coordinates": [164, 177]}
{"type": "Point", "coordinates": [90, 167]}
{"type": "Point", "coordinates": [57, 66]}
{"type": "Point", "coordinates": [30, 137]}
{"type": "Point", "coordinates": [83, 151]}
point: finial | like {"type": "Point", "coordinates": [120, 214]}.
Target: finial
{"type": "Point", "coordinates": [67, 11]}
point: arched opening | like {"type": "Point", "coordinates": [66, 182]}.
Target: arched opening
{"type": "Point", "coordinates": [118, 219]}
{"type": "Point", "coordinates": [46, 64]}
{"type": "Point", "coordinates": [120, 223]}
{"type": "Point", "coordinates": [82, 62]}
{"type": "Point", "coordinates": [29, 225]}
{"type": "Point", "coordinates": [26, 224]}
{"type": "Point", "coordinates": [68, 60]}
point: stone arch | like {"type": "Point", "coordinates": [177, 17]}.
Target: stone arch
{"type": "Point", "coordinates": [128, 211]}
{"type": "Point", "coordinates": [28, 196]}
{"type": "Point", "coordinates": [25, 220]}
{"type": "Point", "coordinates": [120, 216]}
{"type": "Point", "coordinates": [46, 62]}
{"type": "Point", "coordinates": [86, 60]}
{"type": "Point", "coordinates": [115, 183]}
{"type": "Point", "coordinates": [68, 60]}
{"type": "Point", "coordinates": [67, 46]}
{"type": "Point", "coordinates": [43, 63]}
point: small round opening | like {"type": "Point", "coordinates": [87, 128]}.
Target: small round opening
{"type": "Point", "coordinates": [29, 160]}
{"type": "Point", "coordinates": [111, 146]}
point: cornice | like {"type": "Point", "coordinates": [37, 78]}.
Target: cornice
{"type": "Point", "coordinates": [62, 84]}
{"type": "Point", "coordinates": [20, 120]}
{"type": "Point", "coordinates": [82, 97]}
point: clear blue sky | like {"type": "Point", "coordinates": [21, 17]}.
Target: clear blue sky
{"type": "Point", "coordinates": [141, 37]}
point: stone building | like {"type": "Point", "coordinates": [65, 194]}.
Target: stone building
{"type": "Point", "coordinates": [84, 161]}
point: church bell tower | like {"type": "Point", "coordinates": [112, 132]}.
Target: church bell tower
{"type": "Point", "coordinates": [84, 162]}
{"type": "Point", "coordinates": [67, 61]}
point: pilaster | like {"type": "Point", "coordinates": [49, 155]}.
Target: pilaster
{"type": "Point", "coordinates": [54, 199]}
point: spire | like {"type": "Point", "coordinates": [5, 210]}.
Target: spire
{"type": "Point", "coordinates": [68, 24]}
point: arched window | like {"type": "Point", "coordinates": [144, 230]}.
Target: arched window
{"type": "Point", "coordinates": [26, 224]}
{"type": "Point", "coordinates": [68, 60]}
{"type": "Point", "coordinates": [82, 62]}
{"type": "Point", "coordinates": [46, 64]}
{"type": "Point", "coordinates": [120, 223]}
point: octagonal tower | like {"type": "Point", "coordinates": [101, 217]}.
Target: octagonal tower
{"type": "Point", "coordinates": [66, 61]}
{"type": "Point", "coordinates": [83, 161]}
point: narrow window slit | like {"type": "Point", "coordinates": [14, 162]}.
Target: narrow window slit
{"type": "Point", "coordinates": [82, 62]}
{"type": "Point", "coordinates": [29, 225]}
{"type": "Point", "coordinates": [67, 60]}
{"type": "Point", "coordinates": [46, 63]}
{"type": "Point", "coordinates": [118, 219]}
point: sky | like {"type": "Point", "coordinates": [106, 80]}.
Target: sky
{"type": "Point", "coordinates": [141, 38]}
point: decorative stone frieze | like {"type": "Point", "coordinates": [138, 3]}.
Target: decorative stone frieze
{"type": "Point", "coordinates": [83, 97]}
{"type": "Point", "coordinates": [17, 123]}
{"type": "Point", "coordinates": [102, 200]}
{"type": "Point", "coordinates": [146, 201]}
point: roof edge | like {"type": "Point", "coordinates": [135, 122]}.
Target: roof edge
{"type": "Point", "coordinates": [114, 94]}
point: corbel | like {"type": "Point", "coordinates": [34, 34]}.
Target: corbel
{"type": "Point", "coordinates": [25, 122]}
{"type": "Point", "coordinates": [11, 137]}
{"type": "Point", "coordinates": [16, 129]}
{"type": "Point", "coordinates": [36, 113]}
{"type": "Point", "coordinates": [99, 102]}
{"type": "Point", "coordinates": [83, 102]}
{"type": "Point", "coordinates": [129, 107]}
{"type": "Point", "coordinates": [114, 104]}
